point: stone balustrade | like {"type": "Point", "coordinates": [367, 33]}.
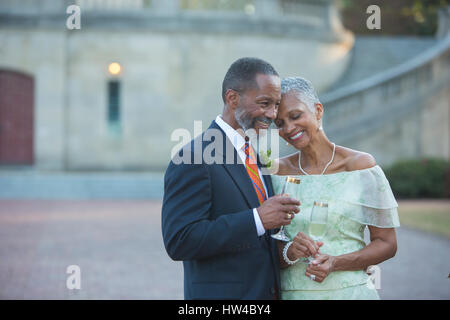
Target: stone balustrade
{"type": "Point", "coordinates": [403, 112]}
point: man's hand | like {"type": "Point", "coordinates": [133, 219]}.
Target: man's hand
{"type": "Point", "coordinates": [278, 211]}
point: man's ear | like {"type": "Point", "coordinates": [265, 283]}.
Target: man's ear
{"type": "Point", "coordinates": [232, 98]}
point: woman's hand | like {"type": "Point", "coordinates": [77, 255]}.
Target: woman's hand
{"type": "Point", "coordinates": [302, 247]}
{"type": "Point", "coordinates": [321, 267]}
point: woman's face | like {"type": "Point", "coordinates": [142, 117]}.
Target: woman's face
{"type": "Point", "coordinates": [296, 122]}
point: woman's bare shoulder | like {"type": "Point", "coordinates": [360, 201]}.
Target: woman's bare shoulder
{"type": "Point", "coordinates": [357, 160]}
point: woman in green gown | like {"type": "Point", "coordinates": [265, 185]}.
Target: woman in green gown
{"type": "Point", "coordinates": [357, 194]}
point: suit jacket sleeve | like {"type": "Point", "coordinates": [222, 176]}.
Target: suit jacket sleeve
{"type": "Point", "coordinates": [188, 230]}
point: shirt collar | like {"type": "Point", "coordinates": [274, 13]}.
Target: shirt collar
{"type": "Point", "coordinates": [236, 139]}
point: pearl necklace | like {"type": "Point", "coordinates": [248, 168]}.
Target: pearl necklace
{"type": "Point", "coordinates": [326, 167]}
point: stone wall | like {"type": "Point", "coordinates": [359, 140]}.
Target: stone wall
{"type": "Point", "coordinates": [41, 55]}
{"type": "Point", "coordinates": [173, 64]}
{"type": "Point", "coordinates": [401, 113]}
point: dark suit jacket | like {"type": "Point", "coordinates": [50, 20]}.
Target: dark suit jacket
{"type": "Point", "coordinates": [207, 221]}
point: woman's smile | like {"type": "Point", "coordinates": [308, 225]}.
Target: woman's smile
{"type": "Point", "coordinates": [296, 136]}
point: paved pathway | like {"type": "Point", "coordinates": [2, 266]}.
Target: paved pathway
{"type": "Point", "coordinates": [420, 268]}
{"type": "Point", "coordinates": [118, 246]}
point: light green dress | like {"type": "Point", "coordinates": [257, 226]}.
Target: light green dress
{"type": "Point", "coordinates": [355, 199]}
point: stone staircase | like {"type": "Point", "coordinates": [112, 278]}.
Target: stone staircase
{"type": "Point", "coordinates": [373, 55]}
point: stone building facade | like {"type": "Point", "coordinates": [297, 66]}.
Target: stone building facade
{"type": "Point", "coordinates": [173, 57]}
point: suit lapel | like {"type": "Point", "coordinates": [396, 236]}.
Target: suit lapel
{"type": "Point", "coordinates": [236, 170]}
{"type": "Point", "coordinates": [243, 182]}
{"type": "Point", "coordinates": [239, 174]}
{"type": "Point", "coordinates": [272, 243]}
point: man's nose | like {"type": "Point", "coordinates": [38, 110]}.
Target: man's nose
{"type": "Point", "coordinates": [272, 113]}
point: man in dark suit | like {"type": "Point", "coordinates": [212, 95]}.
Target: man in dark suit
{"type": "Point", "coordinates": [217, 216]}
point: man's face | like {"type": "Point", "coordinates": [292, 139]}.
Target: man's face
{"type": "Point", "coordinates": [258, 107]}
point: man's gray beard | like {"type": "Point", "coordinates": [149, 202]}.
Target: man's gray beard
{"type": "Point", "coordinates": [243, 121]}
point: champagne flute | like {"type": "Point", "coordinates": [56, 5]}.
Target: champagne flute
{"type": "Point", "coordinates": [280, 235]}
{"type": "Point", "coordinates": [318, 223]}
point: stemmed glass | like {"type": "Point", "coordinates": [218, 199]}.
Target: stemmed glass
{"type": "Point", "coordinates": [280, 235]}
{"type": "Point", "coordinates": [318, 223]}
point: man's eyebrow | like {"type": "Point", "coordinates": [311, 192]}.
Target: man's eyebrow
{"type": "Point", "coordinates": [265, 97]}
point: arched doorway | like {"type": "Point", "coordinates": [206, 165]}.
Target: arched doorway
{"type": "Point", "coordinates": [16, 118]}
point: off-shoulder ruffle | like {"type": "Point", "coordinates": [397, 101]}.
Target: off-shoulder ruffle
{"type": "Point", "coordinates": [364, 196]}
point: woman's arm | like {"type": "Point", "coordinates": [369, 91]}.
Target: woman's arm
{"type": "Point", "coordinates": [280, 246]}
{"type": "Point", "coordinates": [383, 241]}
{"type": "Point", "coordinates": [382, 246]}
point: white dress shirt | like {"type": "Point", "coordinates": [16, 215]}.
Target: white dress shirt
{"type": "Point", "coordinates": [238, 142]}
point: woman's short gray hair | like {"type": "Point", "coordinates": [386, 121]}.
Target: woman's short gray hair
{"type": "Point", "coordinates": [303, 88]}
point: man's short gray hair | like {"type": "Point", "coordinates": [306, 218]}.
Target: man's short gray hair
{"type": "Point", "coordinates": [303, 88]}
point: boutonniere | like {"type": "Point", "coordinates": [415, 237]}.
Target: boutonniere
{"type": "Point", "coordinates": [265, 158]}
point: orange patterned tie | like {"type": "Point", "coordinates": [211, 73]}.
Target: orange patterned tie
{"type": "Point", "coordinates": [252, 170]}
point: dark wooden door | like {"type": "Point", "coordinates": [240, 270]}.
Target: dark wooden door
{"type": "Point", "coordinates": [16, 118]}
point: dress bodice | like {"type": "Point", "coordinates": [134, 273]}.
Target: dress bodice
{"type": "Point", "coordinates": [355, 199]}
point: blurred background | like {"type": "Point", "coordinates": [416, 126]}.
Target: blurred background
{"type": "Point", "coordinates": [87, 115]}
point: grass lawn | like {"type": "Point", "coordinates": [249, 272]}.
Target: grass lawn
{"type": "Point", "coordinates": [427, 215]}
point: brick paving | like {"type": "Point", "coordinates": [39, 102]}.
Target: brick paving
{"type": "Point", "coordinates": [118, 246]}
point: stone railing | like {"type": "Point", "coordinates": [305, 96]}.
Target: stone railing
{"type": "Point", "coordinates": [114, 5]}
{"type": "Point", "coordinates": [318, 13]}
{"type": "Point", "coordinates": [251, 7]}
{"type": "Point", "coordinates": [359, 112]}
{"type": "Point", "coordinates": [317, 19]}
{"type": "Point", "coordinates": [373, 99]}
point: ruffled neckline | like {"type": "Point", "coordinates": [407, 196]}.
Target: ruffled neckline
{"type": "Point", "coordinates": [376, 167]}
{"type": "Point", "coordinates": [362, 195]}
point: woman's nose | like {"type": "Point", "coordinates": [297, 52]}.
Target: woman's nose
{"type": "Point", "coordinates": [289, 128]}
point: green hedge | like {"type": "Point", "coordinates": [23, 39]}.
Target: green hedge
{"type": "Point", "coordinates": [426, 178]}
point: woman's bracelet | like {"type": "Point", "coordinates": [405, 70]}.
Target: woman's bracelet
{"type": "Point", "coordinates": [285, 257]}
